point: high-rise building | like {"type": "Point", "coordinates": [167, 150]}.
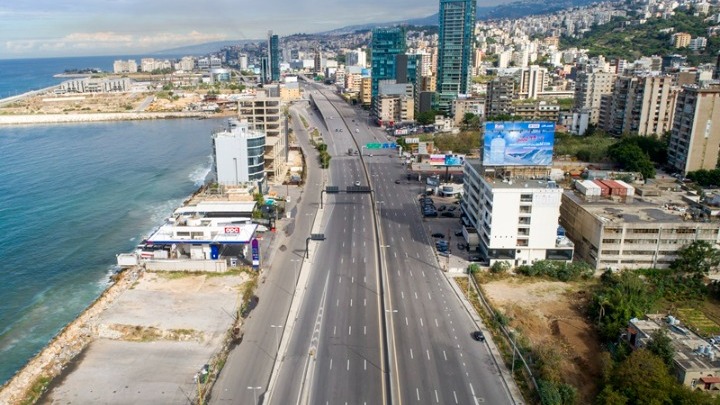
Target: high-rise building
{"type": "Point", "coordinates": [273, 57]}
{"type": "Point", "coordinates": [455, 50]}
{"type": "Point", "coordinates": [263, 113]}
{"type": "Point", "coordinates": [589, 88]}
{"type": "Point", "coordinates": [357, 57]}
{"type": "Point", "coordinates": [533, 81]}
{"type": "Point", "coordinates": [695, 136]}
{"type": "Point", "coordinates": [317, 61]}
{"type": "Point", "coordinates": [642, 105]}
{"type": "Point", "coordinates": [386, 44]}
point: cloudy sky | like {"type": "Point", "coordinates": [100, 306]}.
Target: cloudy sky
{"type": "Point", "coordinates": [44, 28]}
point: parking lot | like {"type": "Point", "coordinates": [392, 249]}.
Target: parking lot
{"type": "Point", "coordinates": [442, 219]}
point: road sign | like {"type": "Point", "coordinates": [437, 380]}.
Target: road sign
{"type": "Point", "coordinates": [332, 189]}
{"type": "Point", "coordinates": [357, 189]}
{"type": "Point", "coordinates": [389, 145]}
{"type": "Point", "coordinates": [373, 146]}
{"type": "Point", "coordinates": [317, 236]}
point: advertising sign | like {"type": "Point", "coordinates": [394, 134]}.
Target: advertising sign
{"type": "Point", "coordinates": [437, 160]}
{"type": "Point", "coordinates": [232, 230]}
{"type": "Point", "coordinates": [412, 140]}
{"type": "Point", "coordinates": [454, 160]}
{"type": "Point", "coordinates": [518, 143]}
{"type": "Point", "coordinates": [255, 246]}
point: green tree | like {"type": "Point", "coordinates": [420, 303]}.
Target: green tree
{"type": "Point", "coordinates": [470, 119]}
{"type": "Point", "coordinates": [426, 117]}
{"type": "Point", "coordinates": [609, 396]}
{"type": "Point", "coordinates": [643, 378]}
{"type": "Point", "coordinates": [628, 154]}
{"type": "Point", "coordinates": [699, 257]}
{"type": "Point", "coordinates": [661, 346]}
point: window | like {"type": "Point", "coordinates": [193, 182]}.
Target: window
{"type": "Point", "coordinates": [526, 197]}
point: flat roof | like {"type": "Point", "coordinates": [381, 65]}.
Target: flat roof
{"type": "Point", "coordinates": [667, 207]}
{"type": "Point", "coordinates": [220, 206]}
{"type": "Point", "coordinates": [240, 234]}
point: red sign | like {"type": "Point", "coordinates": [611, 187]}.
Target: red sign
{"type": "Point", "coordinates": [232, 230]}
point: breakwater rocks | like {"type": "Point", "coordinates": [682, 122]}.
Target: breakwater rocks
{"type": "Point", "coordinates": [96, 117]}
{"type": "Point", "coordinates": [67, 344]}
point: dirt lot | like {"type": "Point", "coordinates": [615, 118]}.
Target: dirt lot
{"type": "Point", "coordinates": [546, 313]}
{"type": "Point", "coordinates": [152, 340]}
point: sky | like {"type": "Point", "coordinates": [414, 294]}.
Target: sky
{"type": "Point", "coordinates": [52, 28]}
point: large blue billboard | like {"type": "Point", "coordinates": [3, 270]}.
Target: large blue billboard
{"type": "Point", "coordinates": [518, 143]}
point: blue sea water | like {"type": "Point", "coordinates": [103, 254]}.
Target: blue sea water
{"type": "Point", "coordinates": [71, 198]}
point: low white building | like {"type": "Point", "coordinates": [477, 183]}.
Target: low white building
{"type": "Point", "coordinates": [516, 221]}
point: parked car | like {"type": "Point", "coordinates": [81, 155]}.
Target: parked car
{"type": "Point", "coordinates": [448, 214]}
{"type": "Point", "coordinates": [475, 258]}
{"type": "Point", "coordinates": [442, 208]}
{"type": "Point", "coordinates": [430, 214]}
{"type": "Point", "coordinates": [453, 208]}
{"type": "Point", "coordinates": [357, 182]}
{"type": "Point", "coordinates": [458, 233]}
{"type": "Point", "coordinates": [478, 335]}
{"type": "Point", "coordinates": [438, 235]}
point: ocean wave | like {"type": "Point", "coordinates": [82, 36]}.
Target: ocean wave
{"type": "Point", "coordinates": [199, 173]}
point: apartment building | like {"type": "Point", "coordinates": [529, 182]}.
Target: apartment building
{"type": "Point", "coordinates": [644, 232]}
{"type": "Point", "coordinates": [238, 154]}
{"type": "Point", "coordinates": [392, 109]}
{"type": "Point", "coordinates": [695, 136]}
{"type": "Point", "coordinates": [533, 81]}
{"type": "Point", "coordinates": [589, 89]}
{"type": "Point", "coordinates": [501, 93]}
{"type": "Point", "coordinates": [681, 39]}
{"type": "Point", "coordinates": [95, 85]}
{"type": "Point", "coordinates": [514, 221]}
{"type": "Point", "coordinates": [125, 66]}
{"type": "Point", "coordinates": [642, 105]}
{"type": "Point", "coordinates": [537, 111]}
{"type": "Point", "coordinates": [464, 105]}
{"type": "Point", "coordinates": [264, 113]}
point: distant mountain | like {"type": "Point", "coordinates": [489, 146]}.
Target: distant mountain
{"type": "Point", "coordinates": [517, 9]}
{"type": "Point", "coordinates": [202, 49]}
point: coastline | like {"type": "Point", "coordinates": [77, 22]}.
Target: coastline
{"type": "Point", "coordinates": [94, 117]}
{"type": "Point", "coordinates": [66, 345]}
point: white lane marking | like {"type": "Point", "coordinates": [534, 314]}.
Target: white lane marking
{"type": "Point", "coordinates": [461, 356]}
{"type": "Point", "coordinates": [417, 392]}
{"type": "Point", "coordinates": [342, 260]}
{"type": "Point", "coordinates": [411, 273]}
{"type": "Point", "coordinates": [365, 330]}
{"type": "Point", "coordinates": [331, 364]}
{"type": "Point", "coordinates": [365, 364]}
{"type": "Point", "coordinates": [421, 322]}
{"type": "Point", "coordinates": [437, 398]}
{"type": "Point", "coordinates": [406, 321]}
{"type": "Point", "coordinates": [334, 330]}
{"type": "Point", "coordinates": [411, 354]}
{"type": "Point", "coordinates": [423, 272]}
{"type": "Point", "coordinates": [350, 301]}
{"type": "Point", "coordinates": [349, 330]}
{"type": "Point", "coordinates": [403, 238]}
{"type": "Point", "coordinates": [339, 280]}
{"type": "Point", "coordinates": [428, 354]}
{"type": "Point", "coordinates": [364, 244]}
{"type": "Point", "coordinates": [416, 297]}
{"type": "Point", "coordinates": [429, 296]}
{"type": "Point", "coordinates": [348, 365]}
{"type": "Point", "coordinates": [472, 391]}
{"type": "Point", "coordinates": [352, 279]}
{"type": "Point", "coordinates": [437, 325]}
{"type": "Point", "coordinates": [402, 294]}
{"type": "Point", "coordinates": [395, 253]}
{"type": "Point", "coordinates": [445, 355]}
{"type": "Point", "coordinates": [364, 280]}
{"type": "Point", "coordinates": [337, 303]}
{"type": "Point", "coordinates": [455, 395]}
{"type": "Point", "coordinates": [364, 302]}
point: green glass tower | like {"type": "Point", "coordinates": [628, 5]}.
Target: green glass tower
{"type": "Point", "coordinates": [386, 44]}
{"type": "Point", "coordinates": [455, 50]}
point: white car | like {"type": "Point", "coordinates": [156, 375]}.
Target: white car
{"type": "Point", "coordinates": [357, 183]}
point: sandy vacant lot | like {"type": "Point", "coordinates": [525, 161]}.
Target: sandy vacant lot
{"type": "Point", "coordinates": [547, 314]}
{"type": "Point", "coordinates": [152, 341]}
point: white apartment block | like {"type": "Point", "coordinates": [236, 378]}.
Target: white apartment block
{"type": "Point", "coordinates": [533, 81]}
{"type": "Point", "coordinates": [150, 64]}
{"type": "Point", "coordinates": [92, 85]}
{"type": "Point", "coordinates": [125, 66]}
{"type": "Point", "coordinates": [186, 64]}
{"type": "Point", "coordinates": [515, 221]}
{"type": "Point", "coordinates": [589, 89]}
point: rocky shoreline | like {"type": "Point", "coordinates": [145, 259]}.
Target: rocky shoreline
{"type": "Point", "coordinates": [65, 346]}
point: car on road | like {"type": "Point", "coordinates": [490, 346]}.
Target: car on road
{"type": "Point", "coordinates": [478, 335]}
{"type": "Point", "coordinates": [475, 258]}
{"type": "Point", "coordinates": [445, 254]}
{"type": "Point", "coordinates": [357, 183]}
{"type": "Point", "coordinates": [438, 235]}
{"type": "Point", "coordinates": [430, 213]}
{"type": "Point", "coordinates": [458, 232]}
{"type": "Point", "coordinates": [397, 181]}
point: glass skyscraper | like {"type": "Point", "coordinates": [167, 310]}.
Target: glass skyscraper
{"type": "Point", "coordinates": [386, 44]}
{"type": "Point", "coordinates": [274, 57]}
{"type": "Point", "coordinates": [455, 50]}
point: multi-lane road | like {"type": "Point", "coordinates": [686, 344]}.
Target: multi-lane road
{"type": "Point", "coordinates": [379, 321]}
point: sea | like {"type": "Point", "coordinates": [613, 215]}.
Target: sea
{"type": "Point", "coordinates": [72, 196]}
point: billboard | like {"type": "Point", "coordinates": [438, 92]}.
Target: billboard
{"type": "Point", "coordinates": [437, 160]}
{"type": "Point", "coordinates": [518, 143]}
{"type": "Point", "coordinates": [255, 248]}
{"type": "Point", "coordinates": [454, 160]}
